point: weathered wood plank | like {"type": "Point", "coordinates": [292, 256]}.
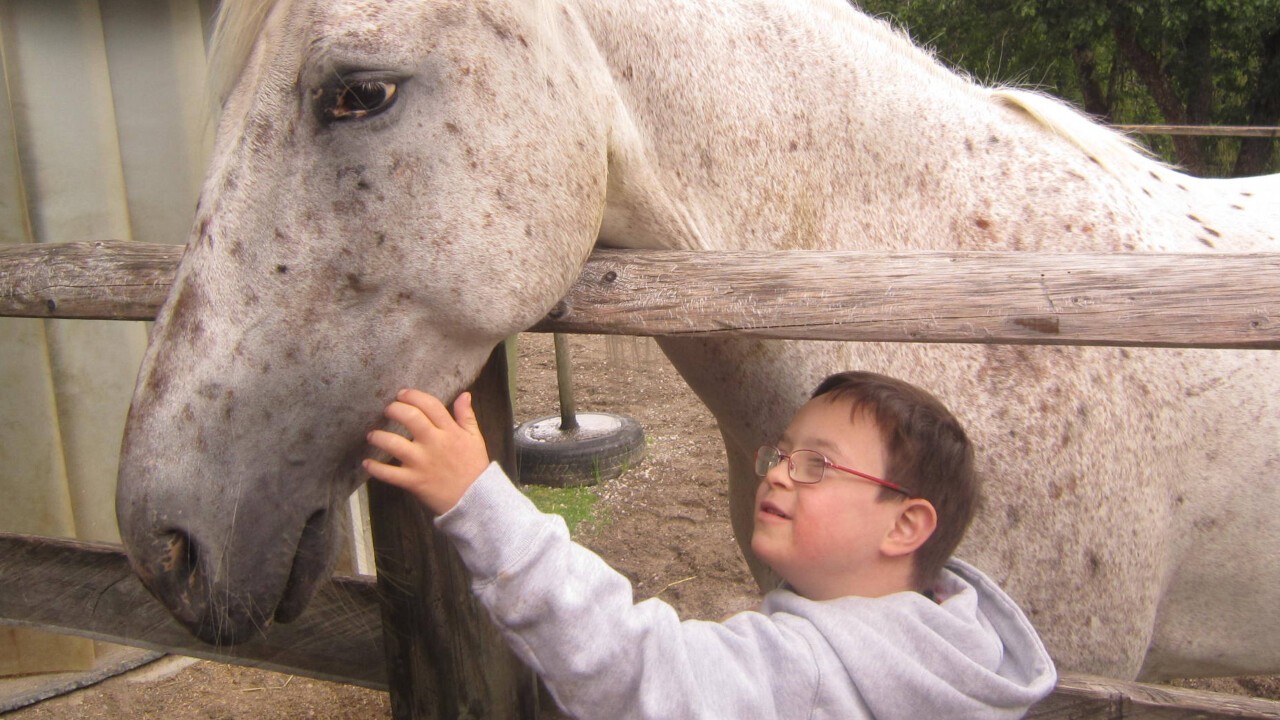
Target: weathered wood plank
{"type": "Point", "coordinates": [1160, 300]}
{"type": "Point", "coordinates": [1203, 130]}
{"type": "Point", "coordinates": [445, 658]}
{"type": "Point", "coordinates": [89, 590]}
{"type": "Point", "coordinates": [107, 280]}
{"type": "Point", "coordinates": [1084, 697]}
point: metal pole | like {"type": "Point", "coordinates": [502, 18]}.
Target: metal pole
{"type": "Point", "coordinates": [564, 378]}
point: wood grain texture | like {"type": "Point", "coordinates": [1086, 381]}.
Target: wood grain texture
{"type": "Point", "coordinates": [1156, 300]}
{"type": "Point", "coordinates": [1162, 300]}
{"type": "Point", "coordinates": [445, 658]}
{"type": "Point", "coordinates": [107, 280]}
{"type": "Point", "coordinates": [1203, 130]}
{"type": "Point", "coordinates": [88, 589]}
{"type": "Point", "coordinates": [1085, 697]}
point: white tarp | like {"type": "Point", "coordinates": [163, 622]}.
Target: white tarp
{"type": "Point", "coordinates": [102, 137]}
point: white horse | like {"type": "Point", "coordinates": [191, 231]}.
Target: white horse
{"type": "Point", "coordinates": [397, 186]}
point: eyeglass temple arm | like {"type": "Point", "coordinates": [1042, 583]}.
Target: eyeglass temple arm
{"type": "Point", "coordinates": [872, 478]}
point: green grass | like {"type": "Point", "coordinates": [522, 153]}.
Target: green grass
{"type": "Point", "coordinates": [575, 505]}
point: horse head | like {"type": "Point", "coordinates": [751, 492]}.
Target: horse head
{"type": "Point", "coordinates": [394, 188]}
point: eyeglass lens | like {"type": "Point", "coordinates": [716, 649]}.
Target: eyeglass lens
{"type": "Point", "coordinates": [766, 458]}
{"type": "Point", "coordinates": [807, 466]}
{"type": "Point", "coordinates": [803, 466]}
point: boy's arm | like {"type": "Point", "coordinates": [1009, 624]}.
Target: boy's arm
{"type": "Point", "coordinates": [572, 618]}
{"type": "Point", "coordinates": [566, 612]}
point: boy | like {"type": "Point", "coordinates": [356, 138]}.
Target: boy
{"type": "Point", "coordinates": [860, 505]}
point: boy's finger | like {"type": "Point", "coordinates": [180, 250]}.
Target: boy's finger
{"type": "Point", "coordinates": [396, 445]}
{"type": "Point", "coordinates": [411, 417]}
{"type": "Point", "coordinates": [464, 412]}
{"type": "Point", "coordinates": [401, 477]}
{"type": "Point", "coordinates": [430, 406]}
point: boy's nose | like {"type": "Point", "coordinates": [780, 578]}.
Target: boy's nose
{"type": "Point", "coordinates": [779, 475]}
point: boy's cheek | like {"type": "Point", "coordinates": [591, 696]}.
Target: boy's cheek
{"type": "Point", "coordinates": [763, 544]}
{"type": "Point", "coordinates": [756, 544]}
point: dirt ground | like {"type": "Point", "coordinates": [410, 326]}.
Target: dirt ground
{"type": "Point", "coordinates": [664, 524]}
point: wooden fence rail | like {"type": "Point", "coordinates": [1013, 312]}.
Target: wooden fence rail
{"type": "Point", "coordinates": [1159, 300]}
{"type": "Point", "coordinates": [1154, 300]}
{"type": "Point", "coordinates": [1240, 131]}
{"type": "Point", "coordinates": [88, 589]}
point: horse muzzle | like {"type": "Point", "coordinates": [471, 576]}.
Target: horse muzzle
{"type": "Point", "coordinates": [225, 594]}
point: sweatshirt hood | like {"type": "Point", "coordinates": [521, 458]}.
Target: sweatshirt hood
{"type": "Point", "coordinates": [972, 654]}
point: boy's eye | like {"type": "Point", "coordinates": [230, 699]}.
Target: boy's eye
{"type": "Point", "coordinates": [813, 463]}
{"type": "Point", "coordinates": [808, 465]}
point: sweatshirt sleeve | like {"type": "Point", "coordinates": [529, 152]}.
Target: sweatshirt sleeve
{"type": "Point", "coordinates": [571, 617]}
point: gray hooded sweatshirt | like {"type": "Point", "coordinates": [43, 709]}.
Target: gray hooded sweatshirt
{"type": "Point", "coordinates": [571, 617]}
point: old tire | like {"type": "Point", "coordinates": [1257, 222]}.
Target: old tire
{"type": "Point", "coordinates": [601, 447]}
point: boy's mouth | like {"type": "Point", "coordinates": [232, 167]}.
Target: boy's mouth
{"type": "Point", "coordinates": [768, 508]}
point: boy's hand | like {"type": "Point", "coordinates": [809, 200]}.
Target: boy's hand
{"type": "Point", "coordinates": [444, 457]}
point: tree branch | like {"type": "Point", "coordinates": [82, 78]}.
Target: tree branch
{"type": "Point", "coordinates": [1095, 100]}
{"type": "Point", "coordinates": [1151, 72]}
{"type": "Point", "coordinates": [1264, 106]}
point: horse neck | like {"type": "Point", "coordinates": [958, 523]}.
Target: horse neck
{"type": "Point", "coordinates": [758, 124]}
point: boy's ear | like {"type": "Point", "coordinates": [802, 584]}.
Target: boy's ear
{"type": "Point", "coordinates": [915, 523]}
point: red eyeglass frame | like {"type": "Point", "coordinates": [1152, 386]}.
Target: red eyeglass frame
{"type": "Point", "coordinates": [826, 461]}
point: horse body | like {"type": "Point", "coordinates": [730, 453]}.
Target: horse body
{"type": "Point", "coordinates": [1128, 492]}
{"type": "Point", "coordinates": [1100, 472]}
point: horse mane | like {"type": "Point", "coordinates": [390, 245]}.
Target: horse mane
{"type": "Point", "coordinates": [236, 27]}
{"type": "Point", "coordinates": [1114, 152]}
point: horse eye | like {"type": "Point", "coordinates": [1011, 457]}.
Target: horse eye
{"type": "Point", "coordinates": [358, 100]}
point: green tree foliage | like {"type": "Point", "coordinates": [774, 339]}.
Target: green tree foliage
{"type": "Point", "coordinates": [1178, 62]}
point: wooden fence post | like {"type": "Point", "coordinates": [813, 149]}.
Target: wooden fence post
{"type": "Point", "coordinates": [445, 659]}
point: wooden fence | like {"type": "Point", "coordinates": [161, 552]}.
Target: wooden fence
{"type": "Point", "coordinates": [1237, 131]}
{"type": "Point", "coordinates": [1152, 300]}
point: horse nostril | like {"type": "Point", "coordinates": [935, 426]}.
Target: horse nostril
{"type": "Point", "coordinates": [181, 557]}
{"type": "Point", "coordinates": [169, 563]}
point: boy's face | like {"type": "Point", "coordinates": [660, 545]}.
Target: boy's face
{"type": "Point", "coordinates": [825, 539]}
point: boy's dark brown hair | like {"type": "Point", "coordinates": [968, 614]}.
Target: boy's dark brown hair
{"type": "Point", "coordinates": [928, 453]}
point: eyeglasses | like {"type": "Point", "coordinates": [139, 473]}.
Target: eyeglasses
{"type": "Point", "coordinates": [808, 467]}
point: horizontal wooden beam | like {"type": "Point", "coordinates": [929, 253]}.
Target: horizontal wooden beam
{"type": "Point", "coordinates": [1157, 299]}
{"type": "Point", "coordinates": [89, 590]}
{"type": "Point", "coordinates": [1085, 697]}
{"type": "Point", "coordinates": [1204, 130]}
{"type": "Point", "coordinates": [106, 280]}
